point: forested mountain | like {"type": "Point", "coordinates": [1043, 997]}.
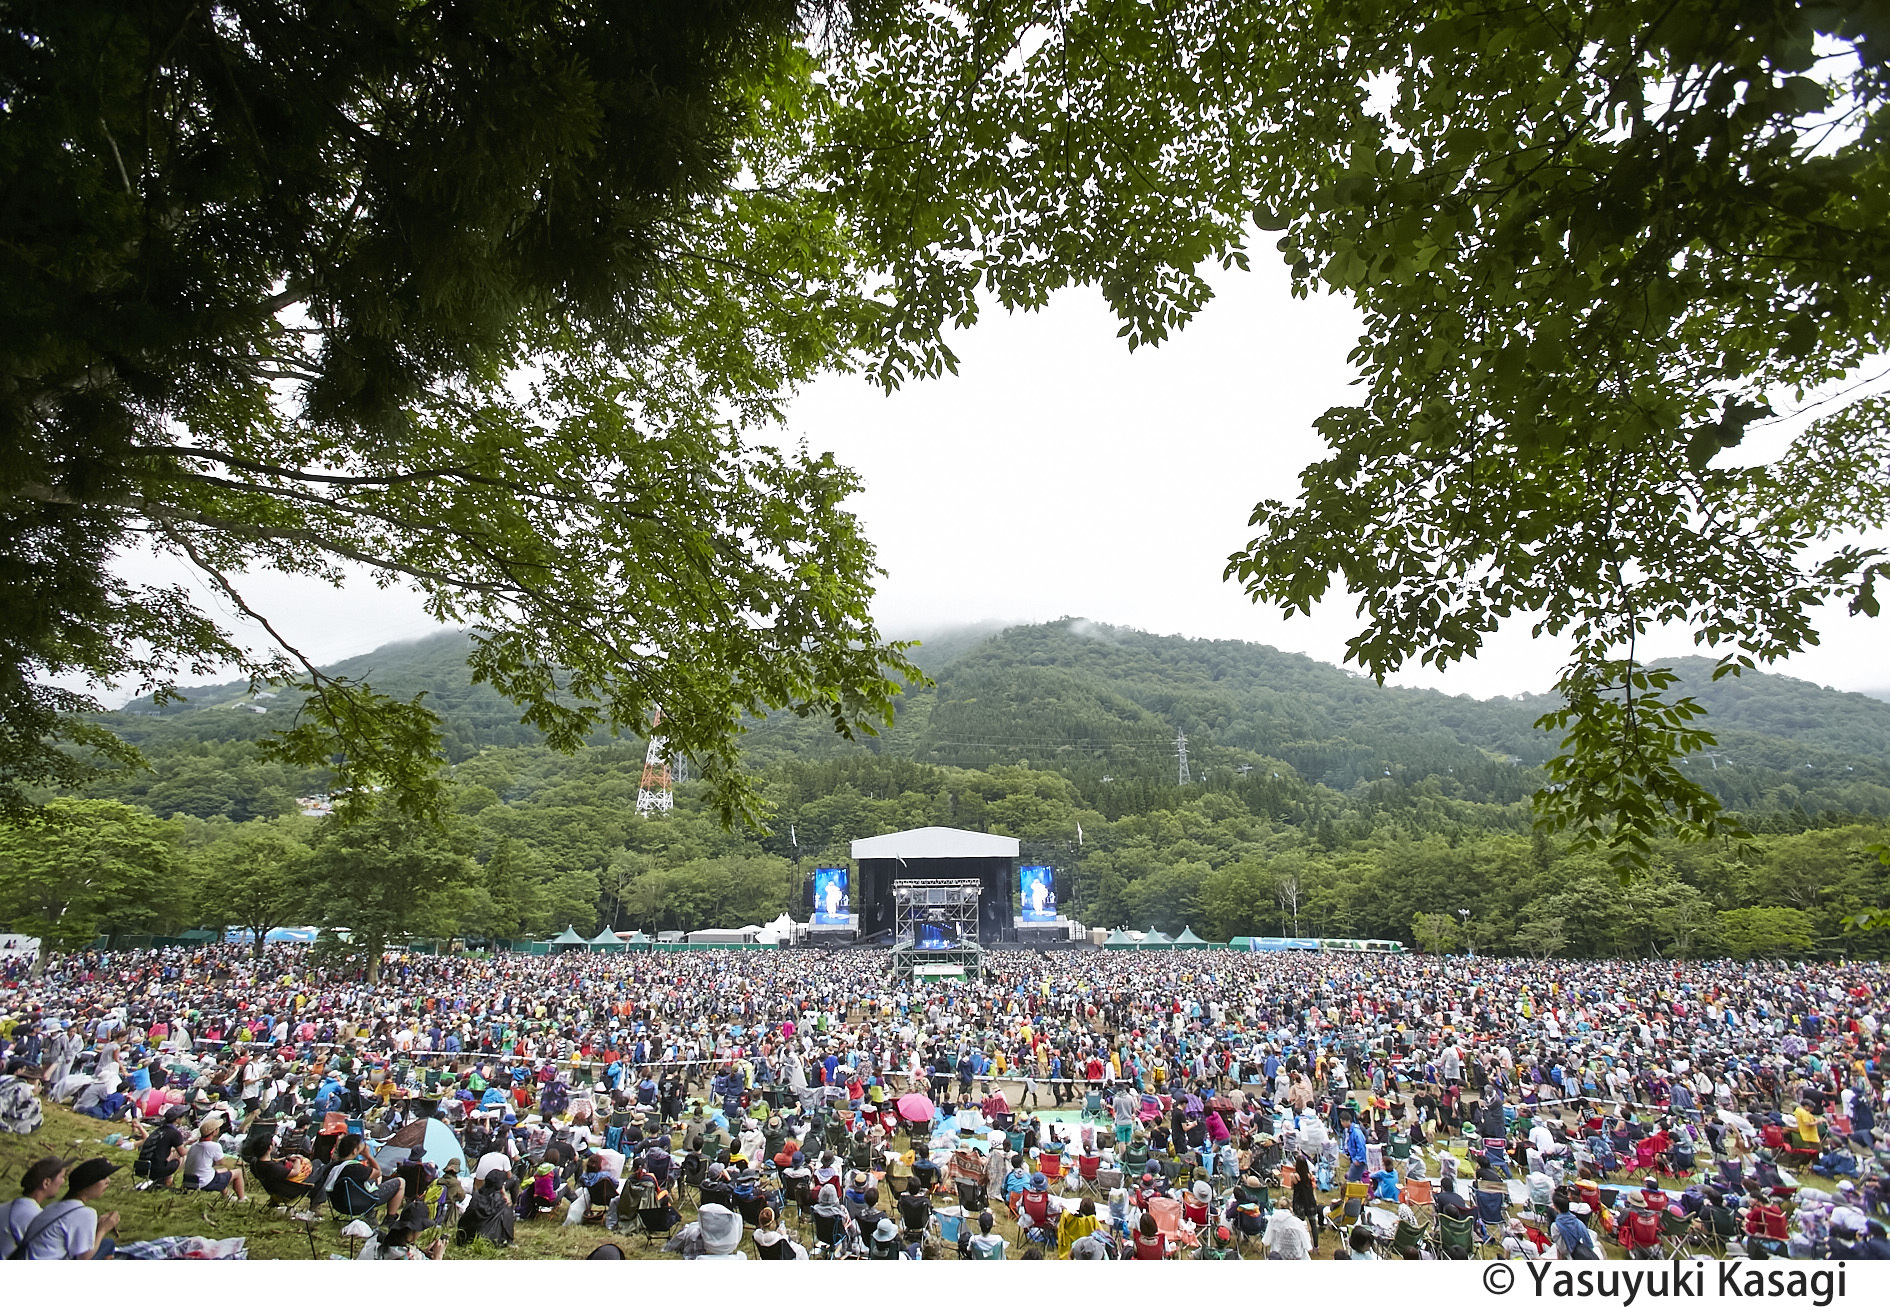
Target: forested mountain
{"type": "Point", "coordinates": [1316, 802]}
{"type": "Point", "coordinates": [1102, 706]}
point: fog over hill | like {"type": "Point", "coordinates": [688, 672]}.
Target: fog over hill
{"type": "Point", "coordinates": [1105, 705]}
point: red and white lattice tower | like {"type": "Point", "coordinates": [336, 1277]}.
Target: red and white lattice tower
{"type": "Point", "coordinates": [657, 793]}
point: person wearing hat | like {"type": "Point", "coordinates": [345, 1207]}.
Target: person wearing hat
{"type": "Point", "coordinates": [70, 1230]}
{"type": "Point", "coordinates": [399, 1240]}
{"type": "Point", "coordinates": [37, 1186]}
{"type": "Point", "coordinates": [162, 1152]}
{"type": "Point", "coordinates": [772, 1243]}
{"type": "Point", "coordinates": [208, 1167]}
{"type": "Point", "coordinates": [715, 1233]}
{"type": "Point", "coordinates": [542, 1194]}
{"type": "Point", "coordinates": [883, 1245]}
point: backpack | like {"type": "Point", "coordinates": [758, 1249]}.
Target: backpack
{"type": "Point", "coordinates": [152, 1153]}
{"type": "Point", "coordinates": [1582, 1250]}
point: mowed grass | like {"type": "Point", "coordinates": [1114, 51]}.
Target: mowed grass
{"type": "Point", "coordinates": [267, 1232]}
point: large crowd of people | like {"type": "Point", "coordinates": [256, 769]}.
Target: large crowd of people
{"type": "Point", "coordinates": [1078, 1104]}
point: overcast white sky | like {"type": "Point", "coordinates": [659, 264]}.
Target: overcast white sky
{"type": "Point", "coordinates": [1057, 474]}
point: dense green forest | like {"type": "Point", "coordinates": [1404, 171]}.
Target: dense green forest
{"type": "Point", "coordinates": [1317, 803]}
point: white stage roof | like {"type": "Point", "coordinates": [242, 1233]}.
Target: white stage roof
{"type": "Point", "coordinates": [935, 842]}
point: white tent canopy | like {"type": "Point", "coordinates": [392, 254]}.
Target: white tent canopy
{"type": "Point", "coordinates": [935, 842]}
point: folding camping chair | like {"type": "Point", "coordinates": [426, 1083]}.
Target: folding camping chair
{"type": "Point", "coordinates": [970, 1195]}
{"type": "Point", "coordinates": [1088, 1167]}
{"type": "Point", "coordinates": [1407, 1238]}
{"type": "Point", "coordinates": [1420, 1198]}
{"type": "Point", "coordinates": [1456, 1238]}
{"type": "Point", "coordinates": [948, 1223]}
{"type": "Point", "coordinates": [797, 1192]}
{"type": "Point", "coordinates": [1351, 1206]}
{"type": "Point", "coordinates": [1249, 1213]}
{"type": "Point", "coordinates": [830, 1232]}
{"type": "Point", "coordinates": [1167, 1214]}
{"type": "Point", "coordinates": [289, 1195]}
{"type": "Point", "coordinates": [1267, 1158]}
{"type": "Point", "coordinates": [1051, 1164]}
{"type": "Point", "coordinates": [1677, 1232]}
{"type": "Point", "coordinates": [1718, 1225]}
{"type": "Point", "coordinates": [1492, 1209]}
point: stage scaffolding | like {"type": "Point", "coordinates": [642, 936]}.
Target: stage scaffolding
{"type": "Point", "coordinates": [948, 904]}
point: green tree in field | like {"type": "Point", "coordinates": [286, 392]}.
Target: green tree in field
{"type": "Point", "coordinates": [1238, 900]}
{"type": "Point", "coordinates": [1544, 937]}
{"type": "Point", "coordinates": [1436, 932]}
{"type": "Point", "coordinates": [509, 902]}
{"type": "Point", "coordinates": [1765, 932]}
{"type": "Point", "coordinates": [519, 895]}
{"type": "Point", "coordinates": [709, 892]}
{"type": "Point", "coordinates": [80, 868]}
{"type": "Point", "coordinates": [387, 876]}
{"type": "Point", "coordinates": [257, 876]}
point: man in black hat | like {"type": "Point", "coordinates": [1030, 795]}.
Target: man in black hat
{"type": "Point", "coordinates": [69, 1230]}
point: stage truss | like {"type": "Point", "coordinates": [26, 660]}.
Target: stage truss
{"type": "Point", "coordinates": [948, 902]}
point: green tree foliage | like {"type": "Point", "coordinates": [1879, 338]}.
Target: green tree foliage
{"type": "Point", "coordinates": [519, 895]}
{"type": "Point", "coordinates": [480, 300]}
{"type": "Point", "coordinates": [82, 866]}
{"type": "Point", "coordinates": [1592, 245]}
{"type": "Point", "coordinates": [1331, 846]}
{"type": "Point", "coordinates": [1542, 937]}
{"type": "Point", "coordinates": [708, 891]}
{"type": "Point", "coordinates": [257, 877]}
{"type": "Point", "coordinates": [1765, 932]}
{"type": "Point", "coordinates": [386, 877]}
{"type": "Point", "coordinates": [1435, 932]}
{"type": "Point", "coordinates": [209, 779]}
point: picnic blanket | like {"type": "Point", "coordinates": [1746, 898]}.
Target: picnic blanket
{"type": "Point", "coordinates": [185, 1248]}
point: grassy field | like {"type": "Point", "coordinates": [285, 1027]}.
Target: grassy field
{"type": "Point", "coordinates": [269, 1234]}
{"type": "Point", "coordinates": [272, 1235]}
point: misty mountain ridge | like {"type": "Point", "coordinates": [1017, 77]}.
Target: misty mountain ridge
{"type": "Point", "coordinates": [1106, 706]}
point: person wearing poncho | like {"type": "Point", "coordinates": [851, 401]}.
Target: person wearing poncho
{"type": "Point", "coordinates": [716, 1233]}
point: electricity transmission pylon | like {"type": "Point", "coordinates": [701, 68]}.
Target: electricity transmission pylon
{"type": "Point", "coordinates": [1181, 753]}
{"type": "Point", "coordinates": [656, 793]}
